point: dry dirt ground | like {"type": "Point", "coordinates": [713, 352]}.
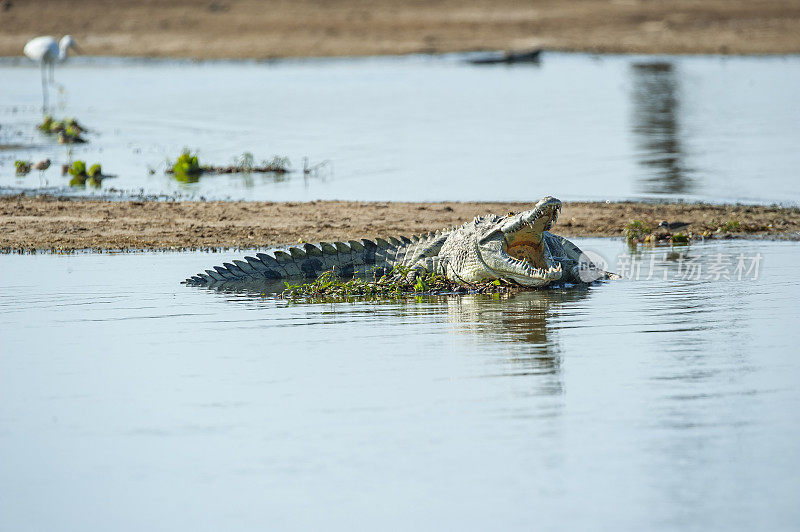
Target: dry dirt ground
{"type": "Point", "coordinates": [293, 28]}
{"type": "Point", "coordinates": [62, 225]}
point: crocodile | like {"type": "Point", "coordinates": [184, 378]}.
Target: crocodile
{"type": "Point", "coordinates": [517, 247]}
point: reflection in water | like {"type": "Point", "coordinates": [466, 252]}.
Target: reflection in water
{"type": "Point", "coordinates": [527, 318]}
{"type": "Point", "coordinates": [524, 327]}
{"type": "Point", "coordinates": [656, 129]}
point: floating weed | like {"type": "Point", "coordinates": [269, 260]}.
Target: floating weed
{"type": "Point", "coordinates": [68, 130]}
{"type": "Point", "coordinates": [95, 171]}
{"type": "Point", "coordinates": [187, 168]}
{"type": "Point", "coordinates": [402, 282]}
{"type": "Point", "coordinates": [81, 177]}
{"type": "Point", "coordinates": [78, 169]}
{"type": "Point", "coordinates": [636, 231]}
{"type": "Point", "coordinates": [44, 127]}
{"type": "Point", "coordinates": [78, 173]}
{"type": "Point", "coordinates": [22, 167]}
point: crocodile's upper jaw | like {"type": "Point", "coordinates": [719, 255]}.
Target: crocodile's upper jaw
{"type": "Point", "coordinates": [524, 255]}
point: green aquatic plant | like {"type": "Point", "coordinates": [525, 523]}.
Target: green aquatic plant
{"type": "Point", "coordinates": [187, 168]}
{"type": "Point", "coordinates": [78, 173]}
{"type": "Point", "coordinates": [68, 130]}
{"type": "Point", "coordinates": [81, 177]}
{"type": "Point", "coordinates": [679, 238]}
{"type": "Point", "coordinates": [401, 282]}
{"type": "Point", "coordinates": [731, 226]}
{"type": "Point", "coordinates": [71, 132]}
{"type": "Point", "coordinates": [46, 124]}
{"type": "Point", "coordinates": [78, 169]}
{"type": "Point", "coordinates": [95, 171]}
{"type": "Point", "coordinates": [636, 231]}
{"type": "Point", "coordinates": [22, 167]}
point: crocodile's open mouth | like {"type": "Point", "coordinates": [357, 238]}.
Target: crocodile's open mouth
{"type": "Point", "coordinates": [523, 241]}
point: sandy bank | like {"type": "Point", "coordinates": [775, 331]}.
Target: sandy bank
{"type": "Point", "coordinates": [51, 224]}
{"type": "Point", "coordinates": [278, 28]}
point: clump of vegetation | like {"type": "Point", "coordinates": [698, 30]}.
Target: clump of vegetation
{"type": "Point", "coordinates": [68, 130]}
{"type": "Point", "coordinates": [95, 171]}
{"type": "Point", "coordinates": [636, 231]}
{"type": "Point", "coordinates": [78, 169]}
{"type": "Point", "coordinates": [187, 168]}
{"type": "Point", "coordinates": [82, 177]}
{"type": "Point", "coordinates": [45, 124]}
{"type": "Point", "coordinates": [278, 165]}
{"type": "Point", "coordinates": [78, 173]}
{"type": "Point", "coordinates": [401, 282]}
{"type": "Point", "coordinates": [679, 238]}
{"type": "Point", "coordinates": [731, 226]}
{"type": "Point", "coordinates": [245, 163]}
{"type": "Point", "coordinates": [22, 167]}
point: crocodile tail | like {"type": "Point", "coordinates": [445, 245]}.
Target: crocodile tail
{"type": "Point", "coordinates": [309, 261]}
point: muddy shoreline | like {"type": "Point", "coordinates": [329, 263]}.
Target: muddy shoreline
{"type": "Point", "coordinates": [265, 29]}
{"type": "Point", "coordinates": [59, 225]}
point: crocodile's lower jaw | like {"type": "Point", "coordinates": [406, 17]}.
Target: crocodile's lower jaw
{"type": "Point", "coordinates": [536, 277]}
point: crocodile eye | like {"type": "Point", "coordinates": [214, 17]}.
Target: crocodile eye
{"type": "Point", "coordinates": [511, 213]}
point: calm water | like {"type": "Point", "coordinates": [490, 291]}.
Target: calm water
{"type": "Point", "coordinates": [130, 402]}
{"type": "Point", "coordinates": [429, 128]}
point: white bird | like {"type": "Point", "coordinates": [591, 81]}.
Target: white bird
{"type": "Point", "coordinates": [47, 52]}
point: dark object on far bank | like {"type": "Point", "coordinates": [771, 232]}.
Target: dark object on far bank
{"type": "Point", "coordinates": [530, 56]}
{"type": "Point", "coordinates": [673, 227]}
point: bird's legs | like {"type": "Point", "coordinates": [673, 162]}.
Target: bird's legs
{"type": "Point", "coordinates": [44, 87]}
{"type": "Point", "coordinates": [58, 86]}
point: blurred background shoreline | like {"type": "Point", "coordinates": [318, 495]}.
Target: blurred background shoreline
{"type": "Point", "coordinates": [238, 29]}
